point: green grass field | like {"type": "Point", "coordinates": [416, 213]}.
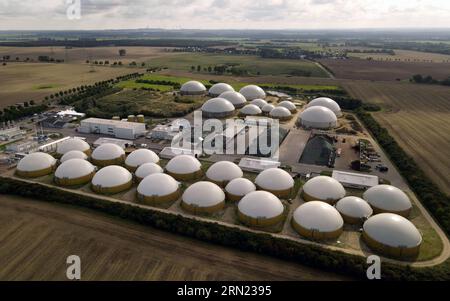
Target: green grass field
{"type": "Point", "coordinates": [252, 64]}
{"type": "Point", "coordinates": [132, 84]}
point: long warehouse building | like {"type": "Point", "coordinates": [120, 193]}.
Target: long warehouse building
{"type": "Point", "coordinates": [116, 128]}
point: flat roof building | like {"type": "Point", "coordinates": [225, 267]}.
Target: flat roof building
{"type": "Point", "coordinates": [257, 165]}
{"type": "Point", "coordinates": [355, 180]}
{"type": "Point", "coordinates": [119, 129]}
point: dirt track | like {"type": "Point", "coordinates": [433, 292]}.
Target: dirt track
{"type": "Point", "coordinates": [37, 237]}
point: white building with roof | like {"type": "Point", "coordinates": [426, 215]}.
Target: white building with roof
{"type": "Point", "coordinates": [355, 180]}
{"type": "Point", "coordinates": [257, 165]}
{"type": "Point", "coordinates": [117, 128]}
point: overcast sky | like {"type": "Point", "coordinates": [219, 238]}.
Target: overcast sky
{"type": "Point", "coordinates": [226, 14]}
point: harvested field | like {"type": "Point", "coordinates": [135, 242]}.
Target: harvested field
{"type": "Point", "coordinates": [25, 81]}
{"type": "Point", "coordinates": [405, 56]}
{"type": "Point", "coordinates": [80, 55]}
{"type": "Point", "coordinates": [37, 237]}
{"type": "Point", "coordinates": [417, 116]}
{"type": "Point", "coordinates": [360, 69]}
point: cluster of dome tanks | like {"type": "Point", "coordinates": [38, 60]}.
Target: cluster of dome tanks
{"type": "Point", "coordinates": [382, 211]}
{"type": "Point", "coordinates": [320, 113]}
{"type": "Point", "coordinates": [249, 101]}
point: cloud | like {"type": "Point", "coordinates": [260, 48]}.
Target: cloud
{"type": "Point", "coordinates": [204, 14]}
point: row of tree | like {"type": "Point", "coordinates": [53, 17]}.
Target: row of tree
{"type": "Point", "coordinates": [309, 255]}
{"type": "Point", "coordinates": [420, 79]}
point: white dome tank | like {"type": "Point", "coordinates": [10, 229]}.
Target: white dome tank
{"type": "Point", "coordinates": [260, 208]}
{"type": "Point", "coordinates": [238, 188]}
{"type": "Point", "coordinates": [75, 154]}
{"type": "Point", "coordinates": [72, 144]}
{"type": "Point", "coordinates": [276, 181]}
{"type": "Point", "coordinates": [236, 98]}
{"type": "Point", "coordinates": [354, 210]}
{"type": "Point", "coordinates": [324, 189]}
{"type": "Point", "coordinates": [139, 157]}
{"type": "Point", "coordinates": [252, 92]}
{"type": "Point", "coordinates": [220, 88]}
{"type": "Point", "coordinates": [203, 197]}
{"type": "Point", "coordinates": [223, 172]}
{"type": "Point", "coordinates": [388, 199]}
{"type": "Point", "coordinates": [327, 103]}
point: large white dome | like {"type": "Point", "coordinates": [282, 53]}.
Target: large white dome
{"type": "Point", "coordinates": [260, 103]}
{"type": "Point", "coordinates": [280, 113]}
{"type": "Point", "coordinates": [158, 185]}
{"type": "Point", "coordinates": [107, 151]}
{"type": "Point", "coordinates": [148, 169]}
{"type": "Point", "coordinates": [75, 154]}
{"type": "Point", "coordinates": [318, 216]}
{"type": "Point", "coordinates": [250, 110]}
{"type": "Point", "coordinates": [327, 103]}
{"type": "Point", "coordinates": [252, 92]}
{"type": "Point", "coordinates": [288, 105]}
{"type": "Point", "coordinates": [74, 169]}
{"type": "Point", "coordinates": [220, 88]}
{"type": "Point", "coordinates": [112, 176]}
{"type": "Point", "coordinates": [318, 117]}
{"type": "Point", "coordinates": [274, 179]}
{"type": "Point", "coordinates": [36, 162]}
{"type": "Point", "coordinates": [386, 198]}
{"type": "Point", "coordinates": [224, 171]}
{"type": "Point", "coordinates": [240, 187]}
{"type": "Point", "coordinates": [392, 230]}
{"type": "Point", "coordinates": [141, 156]}
{"type": "Point", "coordinates": [72, 144]}
{"type": "Point", "coordinates": [261, 204]}
{"type": "Point", "coordinates": [236, 98]}
{"type": "Point", "coordinates": [354, 208]}
{"type": "Point", "coordinates": [324, 189]}
{"type": "Point", "coordinates": [183, 164]}
{"type": "Point", "coordinates": [203, 195]}
{"type": "Point", "coordinates": [193, 87]}
{"type": "Point", "coordinates": [268, 108]}
{"type": "Point", "coordinates": [218, 105]}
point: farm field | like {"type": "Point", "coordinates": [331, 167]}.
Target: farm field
{"type": "Point", "coordinates": [25, 81]}
{"type": "Point", "coordinates": [254, 65]}
{"type": "Point", "coordinates": [237, 83]}
{"type": "Point", "coordinates": [405, 55]}
{"type": "Point", "coordinates": [384, 71]}
{"type": "Point", "coordinates": [37, 237]}
{"type": "Point", "coordinates": [80, 55]}
{"type": "Point", "coordinates": [417, 116]}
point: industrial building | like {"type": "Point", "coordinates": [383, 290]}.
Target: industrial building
{"type": "Point", "coordinates": [260, 209]}
{"type": "Point", "coordinates": [72, 144]}
{"type": "Point", "coordinates": [223, 172]}
{"type": "Point", "coordinates": [75, 154]}
{"type": "Point", "coordinates": [252, 92]}
{"type": "Point", "coordinates": [111, 180]}
{"type": "Point", "coordinates": [280, 113]}
{"type": "Point", "coordinates": [276, 181]}
{"type": "Point", "coordinates": [392, 235]}
{"type": "Point", "coordinates": [157, 189]}
{"type": "Point", "coordinates": [203, 198]}
{"type": "Point", "coordinates": [220, 88]}
{"type": "Point", "coordinates": [193, 88]}
{"type": "Point", "coordinates": [36, 165]}
{"type": "Point", "coordinates": [217, 108]}
{"type": "Point", "coordinates": [74, 172]}
{"type": "Point", "coordinates": [388, 199]}
{"type": "Point", "coordinates": [318, 118]}
{"type": "Point", "coordinates": [317, 221]}
{"type": "Point", "coordinates": [322, 188]}
{"type": "Point", "coordinates": [355, 180]}
{"type": "Point", "coordinates": [184, 168]}
{"type": "Point", "coordinates": [22, 147]}
{"type": "Point", "coordinates": [146, 170]}
{"type": "Point", "coordinates": [354, 210]}
{"type": "Point", "coordinates": [116, 128]}
{"type": "Point", "coordinates": [237, 99]}
{"type": "Point", "coordinates": [11, 133]}
{"type": "Point", "coordinates": [238, 188]}
{"type": "Point", "coordinates": [108, 154]}
{"type": "Point", "coordinates": [139, 157]}
{"type": "Point", "coordinates": [250, 110]}
{"type": "Point", "coordinates": [257, 165]}
{"type": "Point", "coordinates": [327, 103]}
